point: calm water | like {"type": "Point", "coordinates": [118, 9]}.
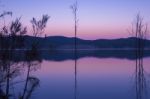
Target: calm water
{"type": "Point", "coordinates": [93, 78]}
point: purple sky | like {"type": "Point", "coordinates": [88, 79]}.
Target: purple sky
{"type": "Point", "coordinates": [97, 18]}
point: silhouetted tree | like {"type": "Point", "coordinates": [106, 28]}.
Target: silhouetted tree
{"type": "Point", "coordinates": [33, 57]}
{"type": "Point", "coordinates": [74, 9]}
{"type": "Point", "coordinates": [10, 37]}
{"type": "Point", "coordinates": [139, 30]}
{"type": "Point", "coordinates": [38, 29]}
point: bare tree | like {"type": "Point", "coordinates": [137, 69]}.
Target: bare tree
{"type": "Point", "coordinates": [74, 9]}
{"type": "Point", "coordinates": [139, 30]}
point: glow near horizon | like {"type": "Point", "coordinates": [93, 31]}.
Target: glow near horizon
{"type": "Point", "coordinates": [97, 18]}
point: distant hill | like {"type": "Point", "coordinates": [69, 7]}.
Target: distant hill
{"type": "Point", "coordinates": [60, 42]}
{"type": "Point", "coordinates": [58, 48]}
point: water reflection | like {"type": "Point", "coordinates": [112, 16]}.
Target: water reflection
{"type": "Point", "coordinates": [33, 63]}
{"type": "Point", "coordinates": [84, 78]}
{"type": "Point", "coordinates": [75, 73]}
{"type": "Point", "coordinates": [31, 82]}
{"type": "Point", "coordinates": [140, 80]}
{"type": "Point", "coordinates": [10, 70]}
{"type": "Point", "coordinates": [140, 74]}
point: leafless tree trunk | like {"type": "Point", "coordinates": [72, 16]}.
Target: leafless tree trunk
{"type": "Point", "coordinates": [74, 9]}
{"type": "Point", "coordinates": [139, 30]}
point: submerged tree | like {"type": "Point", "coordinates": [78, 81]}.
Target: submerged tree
{"type": "Point", "coordinates": [10, 39]}
{"type": "Point", "coordinates": [74, 9]}
{"type": "Point", "coordinates": [33, 57]}
{"type": "Point", "coordinates": [139, 30]}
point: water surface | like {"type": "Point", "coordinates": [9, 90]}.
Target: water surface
{"type": "Point", "coordinates": [93, 78]}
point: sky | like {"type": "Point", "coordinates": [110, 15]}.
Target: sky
{"type": "Point", "coordinates": [97, 18]}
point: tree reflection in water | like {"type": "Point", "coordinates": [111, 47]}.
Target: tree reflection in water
{"type": "Point", "coordinates": [139, 30]}
{"type": "Point", "coordinates": [10, 69]}
{"type": "Point", "coordinates": [140, 80]}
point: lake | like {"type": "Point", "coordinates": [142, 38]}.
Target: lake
{"type": "Point", "coordinates": [88, 77]}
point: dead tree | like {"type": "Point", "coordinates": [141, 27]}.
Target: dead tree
{"type": "Point", "coordinates": [139, 30]}
{"type": "Point", "coordinates": [74, 9]}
